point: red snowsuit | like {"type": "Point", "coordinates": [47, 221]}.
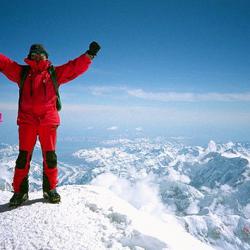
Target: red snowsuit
{"type": "Point", "coordinates": [37, 114]}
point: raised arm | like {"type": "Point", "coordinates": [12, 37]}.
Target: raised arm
{"type": "Point", "coordinates": [76, 67]}
{"type": "Point", "coordinates": [10, 68]}
{"type": "Point", "coordinates": [72, 69]}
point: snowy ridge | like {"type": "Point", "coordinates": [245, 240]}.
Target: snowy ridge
{"type": "Point", "coordinates": [206, 188]}
{"type": "Point", "coordinates": [89, 217]}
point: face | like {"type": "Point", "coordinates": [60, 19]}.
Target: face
{"type": "Point", "coordinates": [38, 56]}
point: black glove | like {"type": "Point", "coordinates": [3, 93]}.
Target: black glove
{"type": "Point", "coordinates": [94, 47]}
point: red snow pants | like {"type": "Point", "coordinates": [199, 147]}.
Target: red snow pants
{"type": "Point", "coordinates": [28, 135]}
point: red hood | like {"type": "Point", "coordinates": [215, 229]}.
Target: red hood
{"type": "Point", "coordinates": [38, 66]}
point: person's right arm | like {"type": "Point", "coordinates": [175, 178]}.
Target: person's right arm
{"type": "Point", "coordinates": [10, 68]}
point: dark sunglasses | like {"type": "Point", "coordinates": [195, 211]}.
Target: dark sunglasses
{"type": "Point", "coordinates": [35, 53]}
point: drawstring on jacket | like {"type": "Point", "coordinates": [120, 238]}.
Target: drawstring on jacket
{"type": "Point", "coordinates": [31, 87]}
{"type": "Point", "coordinates": [44, 87]}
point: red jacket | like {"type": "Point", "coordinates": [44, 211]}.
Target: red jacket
{"type": "Point", "coordinates": [38, 102]}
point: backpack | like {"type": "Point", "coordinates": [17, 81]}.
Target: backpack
{"type": "Point", "coordinates": [52, 72]}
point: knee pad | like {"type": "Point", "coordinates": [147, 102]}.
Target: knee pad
{"type": "Point", "coordinates": [51, 159]}
{"type": "Point", "coordinates": [22, 159]}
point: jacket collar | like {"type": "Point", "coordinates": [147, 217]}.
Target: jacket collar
{"type": "Point", "coordinates": [38, 66]}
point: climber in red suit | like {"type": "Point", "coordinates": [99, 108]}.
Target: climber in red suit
{"type": "Point", "coordinates": [38, 115]}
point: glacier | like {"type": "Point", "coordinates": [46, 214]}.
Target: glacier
{"type": "Point", "coordinates": [204, 188]}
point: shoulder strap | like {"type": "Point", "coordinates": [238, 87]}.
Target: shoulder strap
{"type": "Point", "coordinates": [24, 74]}
{"type": "Point", "coordinates": [52, 73]}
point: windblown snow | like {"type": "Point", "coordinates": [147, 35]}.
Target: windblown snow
{"type": "Point", "coordinates": [89, 217]}
{"type": "Point", "coordinates": [135, 194]}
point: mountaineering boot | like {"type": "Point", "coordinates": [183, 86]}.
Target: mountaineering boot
{"type": "Point", "coordinates": [17, 199]}
{"type": "Point", "coordinates": [52, 196]}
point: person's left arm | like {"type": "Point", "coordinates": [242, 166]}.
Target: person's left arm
{"type": "Point", "coordinates": [76, 67]}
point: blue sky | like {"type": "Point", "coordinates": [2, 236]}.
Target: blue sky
{"type": "Point", "coordinates": [178, 68]}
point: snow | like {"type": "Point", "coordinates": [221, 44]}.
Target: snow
{"type": "Point", "coordinates": [202, 190]}
{"type": "Point", "coordinates": [89, 217]}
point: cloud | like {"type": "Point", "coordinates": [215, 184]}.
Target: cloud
{"type": "Point", "coordinates": [105, 90]}
{"type": "Point", "coordinates": [165, 96]}
{"type": "Point", "coordinates": [112, 128]}
{"type": "Point", "coordinates": [139, 129]}
{"type": "Point", "coordinates": [114, 114]}
{"type": "Point", "coordinates": [93, 108]}
{"type": "Point", "coordinates": [189, 97]}
{"type": "Point", "coordinates": [8, 106]}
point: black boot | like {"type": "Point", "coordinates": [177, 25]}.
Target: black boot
{"type": "Point", "coordinates": [52, 196]}
{"type": "Point", "coordinates": [17, 199]}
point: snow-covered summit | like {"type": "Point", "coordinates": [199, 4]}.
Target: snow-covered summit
{"type": "Point", "coordinates": [91, 218]}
